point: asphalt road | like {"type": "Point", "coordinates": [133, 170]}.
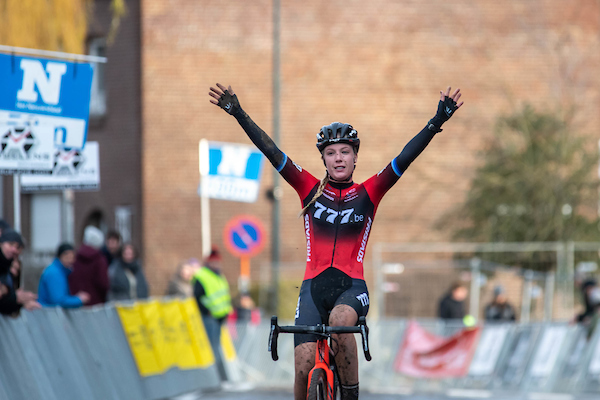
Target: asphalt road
{"type": "Point", "coordinates": [236, 394]}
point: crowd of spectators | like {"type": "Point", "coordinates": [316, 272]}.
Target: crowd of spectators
{"type": "Point", "coordinates": [94, 273]}
{"type": "Point", "coordinates": [12, 297]}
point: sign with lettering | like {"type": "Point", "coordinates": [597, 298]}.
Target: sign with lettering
{"type": "Point", "coordinates": [25, 145]}
{"type": "Point", "coordinates": [234, 172]}
{"type": "Point", "coordinates": [55, 93]}
{"type": "Point", "coordinates": [72, 169]}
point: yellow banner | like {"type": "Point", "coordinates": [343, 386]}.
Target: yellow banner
{"type": "Point", "coordinates": [139, 340]}
{"type": "Point", "coordinates": [153, 319]}
{"type": "Point", "coordinates": [227, 344]}
{"type": "Point", "coordinates": [179, 335]}
{"type": "Point", "coordinates": [200, 342]}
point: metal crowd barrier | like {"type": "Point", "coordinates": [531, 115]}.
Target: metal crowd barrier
{"type": "Point", "coordinates": [153, 350]}
{"type": "Point", "coordinates": [86, 354]}
{"type": "Point", "coordinates": [551, 358]}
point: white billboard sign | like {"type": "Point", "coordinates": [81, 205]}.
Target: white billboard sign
{"type": "Point", "coordinates": [73, 169]}
{"type": "Point", "coordinates": [26, 145]}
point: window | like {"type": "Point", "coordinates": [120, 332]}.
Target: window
{"type": "Point", "coordinates": [46, 220]}
{"type": "Point", "coordinates": [97, 47]}
{"type": "Point", "coordinates": [123, 222]}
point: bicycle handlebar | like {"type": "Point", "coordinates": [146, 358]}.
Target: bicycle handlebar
{"type": "Point", "coordinates": [324, 330]}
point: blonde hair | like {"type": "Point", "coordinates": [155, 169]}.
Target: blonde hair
{"type": "Point", "coordinates": [319, 192]}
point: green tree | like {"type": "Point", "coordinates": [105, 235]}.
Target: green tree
{"type": "Point", "coordinates": [537, 183]}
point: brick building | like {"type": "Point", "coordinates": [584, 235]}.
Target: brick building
{"type": "Point", "coordinates": [378, 65]}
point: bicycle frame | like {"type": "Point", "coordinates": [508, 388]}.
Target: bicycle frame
{"type": "Point", "coordinates": [322, 362]}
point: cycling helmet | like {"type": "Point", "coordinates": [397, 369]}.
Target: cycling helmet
{"type": "Point", "coordinates": [337, 132]}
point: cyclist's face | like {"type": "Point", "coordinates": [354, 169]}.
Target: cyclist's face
{"type": "Point", "coordinates": [339, 160]}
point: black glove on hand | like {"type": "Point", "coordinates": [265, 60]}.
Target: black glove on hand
{"type": "Point", "coordinates": [230, 103]}
{"type": "Point", "coordinates": [445, 110]}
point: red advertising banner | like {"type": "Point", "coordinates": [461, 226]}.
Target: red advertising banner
{"type": "Point", "coordinates": [425, 355]}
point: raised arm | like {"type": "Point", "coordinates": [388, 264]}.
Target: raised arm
{"type": "Point", "coordinates": [447, 105]}
{"type": "Point", "coordinates": [379, 184]}
{"type": "Point", "coordinates": [228, 101]}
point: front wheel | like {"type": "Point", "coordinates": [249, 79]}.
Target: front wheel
{"type": "Point", "coordinates": [337, 386]}
{"type": "Point", "coordinates": [317, 389]}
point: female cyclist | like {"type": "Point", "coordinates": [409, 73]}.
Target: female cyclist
{"type": "Point", "coordinates": [338, 215]}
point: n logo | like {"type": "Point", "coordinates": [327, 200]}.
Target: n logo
{"type": "Point", "coordinates": [48, 84]}
{"type": "Point", "coordinates": [234, 161]}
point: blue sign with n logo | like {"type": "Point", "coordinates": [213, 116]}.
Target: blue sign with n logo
{"type": "Point", "coordinates": [234, 172]}
{"type": "Point", "coordinates": [52, 92]}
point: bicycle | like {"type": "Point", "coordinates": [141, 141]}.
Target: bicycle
{"type": "Point", "coordinates": [323, 378]}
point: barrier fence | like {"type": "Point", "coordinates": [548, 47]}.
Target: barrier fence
{"type": "Point", "coordinates": [159, 349]}
{"type": "Point", "coordinates": [539, 277]}
{"type": "Point", "coordinates": [551, 358]}
{"type": "Point", "coordinates": [138, 351]}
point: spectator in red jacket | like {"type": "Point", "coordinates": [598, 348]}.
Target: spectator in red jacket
{"type": "Point", "coordinates": [90, 270]}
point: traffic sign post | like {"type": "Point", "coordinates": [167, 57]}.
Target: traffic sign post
{"type": "Point", "coordinates": [244, 237]}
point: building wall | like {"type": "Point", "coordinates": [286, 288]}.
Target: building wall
{"type": "Point", "coordinates": [119, 131]}
{"type": "Point", "coordinates": [378, 65]}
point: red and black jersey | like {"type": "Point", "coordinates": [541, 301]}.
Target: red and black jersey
{"type": "Point", "coordinates": [338, 224]}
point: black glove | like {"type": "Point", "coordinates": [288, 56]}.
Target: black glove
{"type": "Point", "coordinates": [230, 103]}
{"type": "Point", "coordinates": [445, 110]}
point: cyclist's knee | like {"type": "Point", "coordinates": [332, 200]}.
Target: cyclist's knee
{"type": "Point", "coordinates": [343, 315]}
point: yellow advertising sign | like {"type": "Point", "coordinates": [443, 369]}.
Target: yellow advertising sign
{"type": "Point", "coordinates": [139, 340]}
{"type": "Point", "coordinates": [200, 342]}
{"type": "Point", "coordinates": [155, 323]}
{"type": "Point", "coordinates": [227, 344]}
{"type": "Point", "coordinates": [179, 335]}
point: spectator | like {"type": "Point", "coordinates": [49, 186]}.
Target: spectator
{"type": "Point", "coordinates": [3, 289]}
{"type": "Point", "coordinates": [211, 291]}
{"type": "Point", "coordinates": [588, 288]}
{"type": "Point", "coordinates": [112, 247]}
{"type": "Point", "coordinates": [181, 282]}
{"type": "Point", "coordinates": [11, 245]}
{"type": "Point", "coordinates": [452, 304]}
{"type": "Point", "coordinates": [15, 272]}
{"type": "Point", "coordinates": [127, 280]}
{"type": "Point", "coordinates": [246, 310]}
{"type": "Point", "coordinates": [53, 289]}
{"type": "Point", "coordinates": [3, 225]}
{"type": "Point", "coordinates": [500, 309]}
{"type": "Point", "coordinates": [90, 271]}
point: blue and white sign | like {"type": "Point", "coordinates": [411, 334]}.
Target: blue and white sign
{"type": "Point", "coordinates": [234, 172]}
{"type": "Point", "coordinates": [55, 92]}
{"type": "Point", "coordinates": [72, 169]}
{"type": "Point", "coordinates": [26, 145]}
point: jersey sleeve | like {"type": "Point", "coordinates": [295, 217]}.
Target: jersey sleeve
{"type": "Point", "coordinates": [300, 179]}
{"type": "Point", "coordinates": [377, 185]}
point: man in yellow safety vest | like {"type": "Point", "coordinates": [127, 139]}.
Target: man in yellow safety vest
{"type": "Point", "coordinates": [211, 291]}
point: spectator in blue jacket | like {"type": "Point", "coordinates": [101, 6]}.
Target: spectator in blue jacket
{"type": "Point", "coordinates": [54, 284]}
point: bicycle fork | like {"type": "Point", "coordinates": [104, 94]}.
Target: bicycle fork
{"type": "Point", "coordinates": [322, 357]}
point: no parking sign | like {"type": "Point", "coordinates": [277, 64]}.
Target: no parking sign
{"type": "Point", "coordinates": [244, 237]}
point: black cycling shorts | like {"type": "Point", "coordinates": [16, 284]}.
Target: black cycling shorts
{"type": "Point", "coordinates": [318, 296]}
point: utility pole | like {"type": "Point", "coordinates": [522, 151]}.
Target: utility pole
{"type": "Point", "coordinates": [275, 245]}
